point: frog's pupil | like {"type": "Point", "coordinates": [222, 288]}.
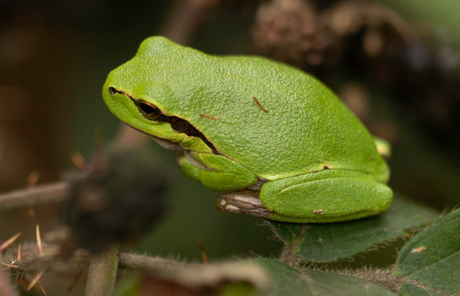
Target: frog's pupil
{"type": "Point", "coordinates": [149, 111]}
{"type": "Point", "coordinates": [146, 108]}
{"type": "Point", "coordinates": [112, 90]}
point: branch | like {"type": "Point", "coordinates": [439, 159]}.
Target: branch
{"type": "Point", "coordinates": [50, 193]}
{"type": "Point", "coordinates": [103, 272]}
{"type": "Point", "coordinates": [33, 263]}
{"type": "Point", "coordinates": [147, 263]}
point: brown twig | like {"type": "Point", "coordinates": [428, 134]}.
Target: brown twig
{"type": "Point", "coordinates": [147, 263]}
{"type": "Point", "coordinates": [50, 193]}
{"type": "Point", "coordinates": [103, 272]}
{"type": "Point", "coordinates": [35, 263]}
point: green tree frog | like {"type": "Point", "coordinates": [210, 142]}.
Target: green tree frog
{"type": "Point", "coordinates": [275, 138]}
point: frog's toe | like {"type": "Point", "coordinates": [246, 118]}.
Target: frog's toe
{"type": "Point", "coordinates": [242, 202]}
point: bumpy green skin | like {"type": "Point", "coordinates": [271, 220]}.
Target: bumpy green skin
{"type": "Point", "coordinates": [321, 163]}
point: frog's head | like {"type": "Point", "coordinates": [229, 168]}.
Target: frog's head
{"type": "Point", "coordinates": [138, 93]}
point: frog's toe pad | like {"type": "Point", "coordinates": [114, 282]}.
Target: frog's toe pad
{"type": "Point", "coordinates": [242, 202]}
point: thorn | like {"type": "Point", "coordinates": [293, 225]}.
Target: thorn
{"type": "Point", "coordinates": [41, 287]}
{"type": "Point", "coordinates": [9, 265]}
{"type": "Point", "coordinates": [74, 282]}
{"type": "Point", "coordinates": [39, 241]}
{"type": "Point", "coordinates": [32, 179]}
{"type": "Point", "coordinates": [19, 253]}
{"type": "Point", "coordinates": [31, 212]}
{"type": "Point", "coordinates": [203, 253]}
{"type": "Point", "coordinates": [78, 160]}
{"type": "Point", "coordinates": [22, 281]}
{"type": "Point", "coordinates": [35, 280]}
{"type": "Point", "coordinates": [9, 241]}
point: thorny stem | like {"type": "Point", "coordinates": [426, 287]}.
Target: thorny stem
{"type": "Point", "coordinates": [147, 263]}
{"type": "Point", "coordinates": [50, 193]}
{"type": "Point", "coordinates": [103, 272]}
{"type": "Point", "coordinates": [35, 263]}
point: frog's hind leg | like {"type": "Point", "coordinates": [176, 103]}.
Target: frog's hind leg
{"type": "Point", "coordinates": [242, 202]}
{"type": "Point", "coordinates": [330, 195]}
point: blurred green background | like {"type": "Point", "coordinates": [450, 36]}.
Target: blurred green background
{"type": "Point", "coordinates": [54, 59]}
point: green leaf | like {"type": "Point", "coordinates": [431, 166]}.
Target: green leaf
{"type": "Point", "coordinates": [412, 290]}
{"type": "Point", "coordinates": [129, 286]}
{"type": "Point", "coordinates": [333, 241]}
{"type": "Point", "coordinates": [432, 257]}
{"type": "Point", "coordinates": [289, 281]}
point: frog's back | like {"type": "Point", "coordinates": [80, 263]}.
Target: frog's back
{"type": "Point", "coordinates": [305, 129]}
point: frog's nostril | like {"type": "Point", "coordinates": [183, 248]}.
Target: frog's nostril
{"type": "Point", "coordinates": [113, 90]}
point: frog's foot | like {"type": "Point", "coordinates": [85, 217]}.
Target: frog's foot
{"type": "Point", "coordinates": [242, 202]}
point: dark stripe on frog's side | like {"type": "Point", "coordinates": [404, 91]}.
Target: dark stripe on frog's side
{"type": "Point", "coordinates": [177, 124]}
{"type": "Point", "coordinates": [184, 127]}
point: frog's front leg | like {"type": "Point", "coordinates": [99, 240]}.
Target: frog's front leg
{"type": "Point", "coordinates": [216, 172]}
{"type": "Point", "coordinates": [326, 196]}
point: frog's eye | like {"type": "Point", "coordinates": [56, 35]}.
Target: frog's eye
{"type": "Point", "coordinates": [148, 110]}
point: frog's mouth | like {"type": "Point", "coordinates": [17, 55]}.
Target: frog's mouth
{"type": "Point", "coordinates": [153, 113]}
